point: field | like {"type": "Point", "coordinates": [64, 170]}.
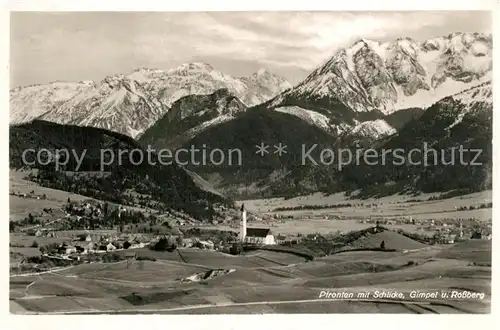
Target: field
{"type": "Point", "coordinates": [399, 202]}
{"type": "Point", "coordinates": [344, 219]}
{"type": "Point", "coordinates": [263, 282]}
{"type": "Point", "coordinates": [19, 206]}
{"type": "Point", "coordinates": [193, 281]}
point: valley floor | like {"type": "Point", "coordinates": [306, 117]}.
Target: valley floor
{"type": "Point", "coordinates": [262, 282]}
{"type": "Point", "coordinates": [271, 282]}
{"type": "Point", "coordinates": [326, 220]}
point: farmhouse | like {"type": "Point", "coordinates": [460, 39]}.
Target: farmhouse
{"type": "Point", "coordinates": [280, 239]}
{"type": "Point", "coordinates": [208, 245]}
{"type": "Point", "coordinates": [65, 249]}
{"type": "Point", "coordinates": [90, 247]}
{"type": "Point", "coordinates": [259, 236]}
{"type": "Point", "coordinates": [84, 237]}
{"type": "Point", "coordinates": [187, 242]}
{"type": "Point", "coordinates": [293, 240]}
{"type": "Point", "coordinates": [110, 247]}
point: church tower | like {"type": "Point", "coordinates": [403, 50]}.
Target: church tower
{"type": "Point", "coordinates": [243, 227]}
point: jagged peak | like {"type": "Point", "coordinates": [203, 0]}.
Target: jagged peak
{"type": "Point", "coordinates": [222, 92]}
{"type": "Point", "coordinates": [263, 71]}
{"type": "Point", "coordinates": [359, 41]}
{"type": "Point", "coordinates": [358, 44]}
{"type": "Point", "coordinates": [405, 39]}
{"type": "Point", "coordinates": [147, 70]}
{"type": "Point", "coordinates": [218, 94]}
{"type": "Point", "coordinates": [87, 82]}
{"type": "Point", "coordinates": [55, 82]}
{"type": "Point", "coordinates": [469, 35]}
{"type": "Point", "coordinates": [459, 34]}
{"type": "Point", "coordinates": [483, 85]}
{"type": "Point", "coordinates": [194, 66]}
{"type": "Point", "coordinates": [115, 77]}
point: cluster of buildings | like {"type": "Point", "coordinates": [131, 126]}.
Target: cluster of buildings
{"type": "Point", "coordinates": [41, 232]}
{"type": "Point", "coordinates": [31, 195]}
{"type": "Point", "coordinates": [391, 221]}
{"type": "Point", "coordinates": [88, 208]}
{"type": "Point", "coordinates": [446, 231]}
{"type": "Point", "coordinates": [450, 235]}
{"type": "Point", "coordinates": [94, 243]}
{"type": "Point", "coordinates": [288, 239]}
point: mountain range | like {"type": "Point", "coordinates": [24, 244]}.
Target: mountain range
{"type": "Point", "coordinates": [131, 103]}
{"type": "Point", "coordinates": [190, 115]}
{"type": "Point", "coordinates": [371, 79]}
{"type": "Point", "coordinates": [126, 181]}
{"type": "Point", "coordinates": [371, 102]}
{"type": "Point", "coordinates": [463, 120]}
{"type": "Point", "coordinates": [372, 94]}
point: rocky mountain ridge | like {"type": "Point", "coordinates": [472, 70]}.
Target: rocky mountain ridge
{"type": "Point", "coordinates": [461, 121]}
{"type": "Point", "coordinates": [131, 103]}
{"type": "Point", "coordinates": [191, 115]}
{"type": "Point", "coordinates": [373, 79]}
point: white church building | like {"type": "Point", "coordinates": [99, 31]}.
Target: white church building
{"type": "Point", "coordinates": [260, 236]}
{"type": "Point", "coordinates": [254, 235]}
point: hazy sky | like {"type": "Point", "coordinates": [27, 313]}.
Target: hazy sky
{"type": "Point", "coordinates": [91, 45]}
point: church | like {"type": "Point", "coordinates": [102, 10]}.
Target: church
{"type": "Point", "coordinates": [261, 236]}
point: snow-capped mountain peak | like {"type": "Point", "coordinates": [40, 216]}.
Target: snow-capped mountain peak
{"type": "Point", "coordinates": [374, 128]}
{"type": "Point", "coordinates": [311, 117]}
{"type": "Point", "coordinates": [262, 72]}
{"type": "Point", "coordinates": [389, 76]}
{"type": "Point", "coordinates": [131, 102]}
{"type": "Point", "coordinates": [193, 114]}
{"type": "Point", "coordinates": [481, 93]}
{"type": "Point", "coordinates": [194, 66]}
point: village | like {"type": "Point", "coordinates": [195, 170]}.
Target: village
{"type": "Point", "coordinates": [77, 244]}
{"type": "Point", "coordinates": [443, 231]}
{"type": "Point", "coordinates": [88, 230]}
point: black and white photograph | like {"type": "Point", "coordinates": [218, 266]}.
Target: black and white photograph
{"type": "Point", "coordinates": [250, 162]}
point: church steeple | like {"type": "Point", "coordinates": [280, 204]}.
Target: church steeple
{"type": "Point", "coordinates": [243, 226]}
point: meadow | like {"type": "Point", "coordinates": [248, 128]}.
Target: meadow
{"type": "Point", "coordinates": [279, 282]}
{"type": "Point", "coordinates": [264, 281]}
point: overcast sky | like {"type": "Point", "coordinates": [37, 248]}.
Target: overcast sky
{"type": "Point", "coordinates": [91, 45]}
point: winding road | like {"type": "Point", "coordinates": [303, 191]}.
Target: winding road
{"type": "Point", "coordinates": [418, 307]}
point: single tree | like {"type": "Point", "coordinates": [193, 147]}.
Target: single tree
{"type": "Point", "coordinates": [382, 245]}
{"type": "Point", "coordinates": [179, 240]}
{"type": "Point", "coordinates": [105, 208]}
{"type": "Point", "coordinates": [236, 248]}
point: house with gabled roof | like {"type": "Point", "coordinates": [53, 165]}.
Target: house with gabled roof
{"type": "Point", "coordinates": [280, 238]}
{"type": "Point", "coordinates": [110, 247]}
{"type": "Point", "coordinates": [259, 236]}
